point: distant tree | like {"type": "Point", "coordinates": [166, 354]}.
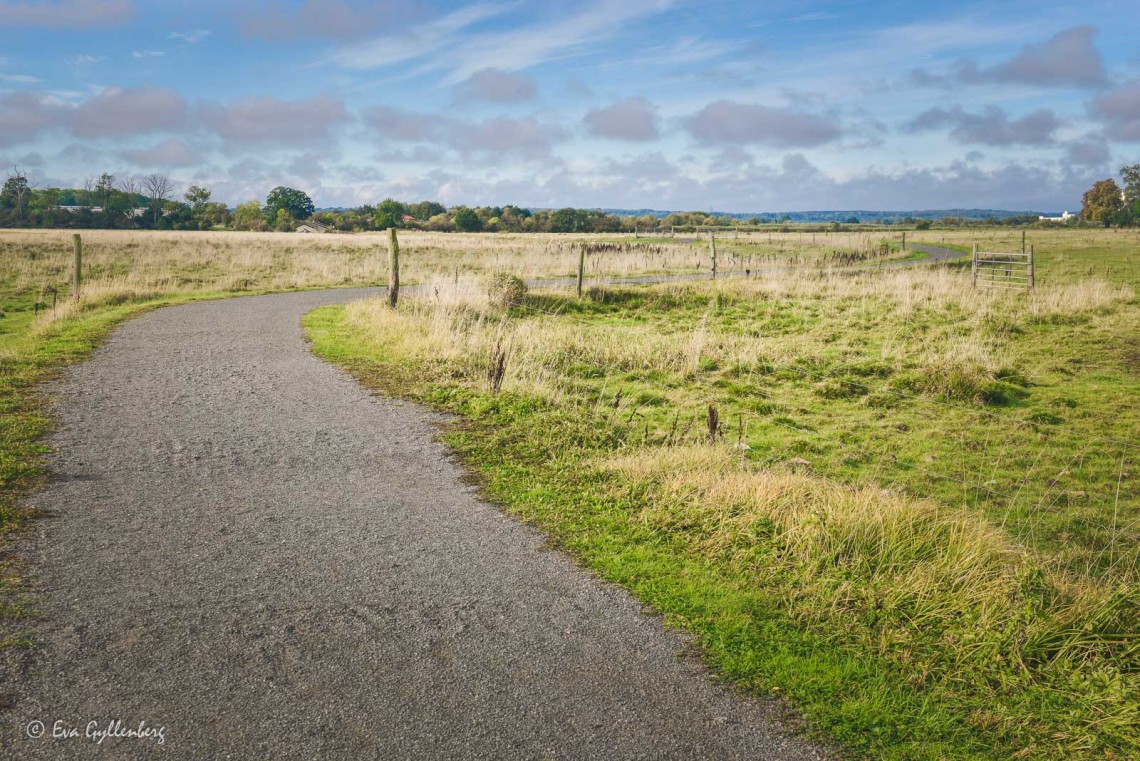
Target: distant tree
{"type": "Point", "coordinates": [1102, 202]}
{"type": "Point", "coordinates": [248, 216]}
{"type": "Point", "coordinates": [389, 213]}
{"type": "Point", "coordinates": [467, 220]}
{"type": "Point", "coordinates": [199, 199]}
{"type": "Point", "coordinates": [157, 188]}
{"type": "Point", "coordinates": [922, 224]}
{"type": "Point", "coordinates": [179, 216]}
{"type": "Point", "coordinates": [297, 202]}
{"type": "Point", "coordinates": [564, 221]}
{"type": "Point", "coordinates": [213, 214]}
{"type": "Point", "coordinates": [131, 190]}
{"type": "Point", "coordinates": [425, 210]}
{"type": "Point", "coordinates": [1131, 176]}
{"type": "Point", "coordinates": [16, 193]}
{"type": "Point", "coordinates": [197, 196]}
{"type": "Point", "coordinates": [104, 187]}
{"type": "Point", "coordinates": [284, 221]}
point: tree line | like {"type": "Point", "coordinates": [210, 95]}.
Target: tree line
{"type": "Point", "coordinates": [150, 202]}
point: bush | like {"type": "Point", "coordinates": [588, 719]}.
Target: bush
{"type": "Point", "coordinates": [505, 290]}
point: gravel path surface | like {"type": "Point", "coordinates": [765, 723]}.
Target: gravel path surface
{"type": "Point", "coordinates": [249, 551]}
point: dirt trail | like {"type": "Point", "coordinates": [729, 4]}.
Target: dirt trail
{"type": "Point", "coordinates": [251, 552]}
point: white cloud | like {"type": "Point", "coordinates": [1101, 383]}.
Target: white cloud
{"type": "Point", "coordinates": [452, 44]}
{"type": "Point", "coordinates": [275, 121]}
{"type": "Point", "coordinates": [498, 86]}
{"type": "Point", "coordinates": [631, 119]}
{"type": "Point", "coordinates": [726, 122]}
{"type": "Point", "coordinates": [192, 37]}
{"type": "Point", "coordinates": [18, 79]}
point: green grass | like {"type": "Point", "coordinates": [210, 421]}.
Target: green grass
{"type": "Point", "coordinates": [537, 462]}
{"type": "Point", "coordinates": [1031, 450]}
{"type": "Point", "coordinates": [1022, 447]}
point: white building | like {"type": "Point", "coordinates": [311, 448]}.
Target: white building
{"type": "Point", "coordinates": [1063, 218]}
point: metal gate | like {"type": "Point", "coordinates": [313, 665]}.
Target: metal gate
{"type": "Point", "coordinates": [1002, 270]}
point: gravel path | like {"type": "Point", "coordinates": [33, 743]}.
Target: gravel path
{"type": "Point", "coordinates": [249, 551]}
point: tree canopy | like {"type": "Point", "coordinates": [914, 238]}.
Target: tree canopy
{"type": "Point", "coordinates": [467, 220]}
{"type": "Point", "coordinates": [389, 213]}
{"type": "Point", "coordinates": [294, 201]}
{"type": "Point", "coordinates": [1102, 202]}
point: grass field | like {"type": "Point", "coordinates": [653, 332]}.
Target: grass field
{"type": "Point", "coordinates": [910, 506]}
{"type": "Point", "coordinates": [126, 272]}
{"type": "Point", "coordinates": [915, 513]}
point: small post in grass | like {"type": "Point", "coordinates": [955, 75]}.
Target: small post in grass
{"type": "Point", "coordinates": [393, 268]}
{"type": "Point", "coordinates": [77, 276]}
{"type": "Point", "coordinates": [712, 251]}
{"type": "Point", "coordinates": [904, 242]}
{"type": "Point", "coordinates": [581, 267]}
{"type": "Point", "coordinates": [1029, 269]}
{"type": "Point", "coordinates": [975, 265]}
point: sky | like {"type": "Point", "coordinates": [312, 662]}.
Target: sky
{"type": "Point", "coordinates": [664, 104]}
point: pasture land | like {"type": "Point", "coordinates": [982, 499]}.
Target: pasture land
{"type": "Point", "coordinates": [910, 506]}
{"type": "Point", "coordinates": [914, 512]}
{"type": "Point", "coordinates": [125, 272]}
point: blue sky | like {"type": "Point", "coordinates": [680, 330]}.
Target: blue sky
{"type": "Point", "coordinates": [733, 106]}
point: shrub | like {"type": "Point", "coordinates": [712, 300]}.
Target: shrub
{"type": "Point", "coordinates": [505, 290]}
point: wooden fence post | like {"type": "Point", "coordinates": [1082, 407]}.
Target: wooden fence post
{"type": "Point", "coordinates": [581, 267]}
{"type": "Point", "coordinates": [77, 276]}
{"type": "Point", "coordinates": [904, 242]}
{"type": "Point", "coordinates": [393, 268]}
{"type": "Point", "coordinates": [1032, 282]}
{"type": "Point", "coordinates": [975, 265]}
{"type": "Point", "coordinates": [712, 251]}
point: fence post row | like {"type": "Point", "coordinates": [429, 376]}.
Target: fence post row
{"type": "Point", "coordinates": [581, 267]}
{"type": "Point", "coordinates": [712, 251]}
{"type": "Point", "coordinates": [77, 276]}
{"type": "Point", "coordinates": [393, 268]}
{"type": "Point", "coordinates": [1032, 283]}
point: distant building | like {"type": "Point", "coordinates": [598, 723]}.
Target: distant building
{"type": "Point", "coordinates": [312, 227]}
{"type": "Point", "coordinates": [1063, 218]}
{"type": "Point", "coordinates": [135, 212]}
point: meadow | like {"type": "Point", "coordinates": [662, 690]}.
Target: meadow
{"type": "Point", "coordinates": [909, 506]}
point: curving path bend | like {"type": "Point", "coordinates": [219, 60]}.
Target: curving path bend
{"type": "Point", "coordinates": [249, 551]}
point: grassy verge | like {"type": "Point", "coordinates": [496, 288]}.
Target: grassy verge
{"type": "Point", "coordinates": [892, 607]}
{"type": "Point", "coordinates": [27, 360]}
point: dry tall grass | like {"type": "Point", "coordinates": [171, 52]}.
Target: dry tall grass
{"type": "Point", "coordinates": [451, 321]}
{"type": "Point", "coordinates": [121, 266]}
{"type": "Point", "coordinates": [954, 600]}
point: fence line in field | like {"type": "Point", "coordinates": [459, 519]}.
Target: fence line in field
{"type": "Point", "coordinates": [882, 389]}
{"type": "Point", "coordinates": [1041, 508]}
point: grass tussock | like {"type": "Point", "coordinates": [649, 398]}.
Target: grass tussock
{"type": "Point", "coordinates": [951, 600]}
